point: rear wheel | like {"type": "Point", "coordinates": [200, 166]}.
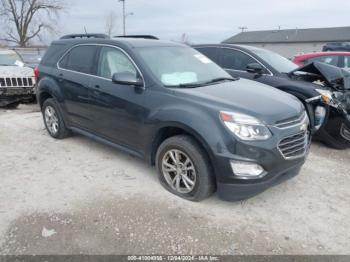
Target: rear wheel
{"type": "Point", "coordinates": [184, 169]}
{"type": "Point", "coordinates": [53, 120]}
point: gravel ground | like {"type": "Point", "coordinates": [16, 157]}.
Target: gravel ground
{"type": "Point", "coordinates": [77, 196]}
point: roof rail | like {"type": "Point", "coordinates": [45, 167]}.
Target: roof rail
{"type": "Point", "coordinates": [138, 36]}
{"type": "Point", "coordinates": [72, 36]}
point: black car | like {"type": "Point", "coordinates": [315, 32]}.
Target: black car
{"type": "Point", "coordinates": [171, 106]}
{"type": "Point", "coordinates": [315, 85]}
{"type": "Point", "coordinates": [336, 46]}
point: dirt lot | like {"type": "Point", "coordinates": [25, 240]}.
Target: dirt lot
{"type": "Point", "coordinates": [77, 196]}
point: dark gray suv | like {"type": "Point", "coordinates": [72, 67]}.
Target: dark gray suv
{"type": "Point", "coordinates": [173, 107]}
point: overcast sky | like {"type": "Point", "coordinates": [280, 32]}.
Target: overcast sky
{"type": "Point", "coordinates": [204, 20]}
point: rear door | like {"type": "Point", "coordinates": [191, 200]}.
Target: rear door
{"type": "Point", "coordinates": [74, 76]}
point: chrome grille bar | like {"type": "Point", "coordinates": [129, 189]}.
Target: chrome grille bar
{"type": "Point", "coordinates": [291, 123]}
{"type": "Point", "coordinates": [294, 146]}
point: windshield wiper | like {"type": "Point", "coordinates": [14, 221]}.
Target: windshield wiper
{"type": "Point", "coordinates": [199, 84]}
{"type": "Point", "coordinates": [189, 85]}
{"type": "Point", "coordinates": [221, 79]}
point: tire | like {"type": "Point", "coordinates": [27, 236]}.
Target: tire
{"type": "Point", "coordinates": [55, 125]}
{"type": "Point", "coordinates": [198, 171]}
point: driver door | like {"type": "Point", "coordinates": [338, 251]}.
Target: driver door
{"type": "Point", "coordinates": [115, 109]}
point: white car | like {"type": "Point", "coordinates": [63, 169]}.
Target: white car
{"type": "Point", "coordinates": [17, 81]}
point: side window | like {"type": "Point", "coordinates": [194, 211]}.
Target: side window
{"type": "Point", "coordinates": [113, 61]}
{"type": "Point", "coordinates": [79, 59]}
{"type": "Point", "coordinates": [235, 60]}
{"type": "Point", "coordinates": [347, 62]}
{"type": "Point", "coordinates": [332, 60]}
{"type": "Point", "coordinates": [211, 52]}
{"type": "Point", "coordinates": [305, 62]}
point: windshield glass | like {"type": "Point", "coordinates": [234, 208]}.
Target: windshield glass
{"type": "Point", "coordinates": [278, 62]}
{"type": "Point", "coordinates": [177, 65]}
{"type": "Point", "coordinates": [9, 59]}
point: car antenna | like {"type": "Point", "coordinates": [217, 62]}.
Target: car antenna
{"type": "Point", "coordinates": [85, 30]}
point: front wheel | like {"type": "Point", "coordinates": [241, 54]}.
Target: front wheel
{"type": "Point", "coordinates": [184, 168]}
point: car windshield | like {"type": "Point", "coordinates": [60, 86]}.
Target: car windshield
{"type": "Point", "coordinates": [9, 59]}
{"type": "Point", "coordinates": [182, 66]}
{"type": "Point", "coordinates": [278, 62]}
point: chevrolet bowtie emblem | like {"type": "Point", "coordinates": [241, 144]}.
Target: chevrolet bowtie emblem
{"type": "Point", "coordinates": [303, 127]}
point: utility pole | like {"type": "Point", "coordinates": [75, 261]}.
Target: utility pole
{"type": "Point", "coordinates": [243, 28]}
{"type": "Point", "coordinates": [124, 17]}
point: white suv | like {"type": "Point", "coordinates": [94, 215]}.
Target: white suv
{"type": "Point", "coordinates": [17, 81]}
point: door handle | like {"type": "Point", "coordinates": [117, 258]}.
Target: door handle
{"type": "Point", "coordinates": [97, 87]}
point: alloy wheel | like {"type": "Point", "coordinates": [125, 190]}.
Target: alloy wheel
{"type": "Point", "coordinates": [51, 120]}
{"type": "Point", "coordinates": [179, 171]}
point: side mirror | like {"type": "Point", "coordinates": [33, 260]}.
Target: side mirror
{"type": "Point", "coordinates": [127, 78]}
{"type": "Point", "coordinates": [255, 68]}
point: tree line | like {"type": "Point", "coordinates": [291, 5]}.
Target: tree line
{"type": "Point", "coordinates": [25, 20]}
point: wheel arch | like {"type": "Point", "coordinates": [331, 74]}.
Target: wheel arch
{"type": "Point", "coordinates": [48, 88]}
{"type": "Point", "coordinates": [166, 131]}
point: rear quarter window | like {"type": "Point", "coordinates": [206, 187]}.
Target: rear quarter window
{"type": "Point", "coordinates": [53, 54]}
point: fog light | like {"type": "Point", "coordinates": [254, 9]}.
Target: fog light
{"type": "Point", "coordinates": [320, 115]}
{"type": "Point", "coordinates": [247, 170]}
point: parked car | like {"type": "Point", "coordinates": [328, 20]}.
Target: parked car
{"type": "Point", "coordinates": [338, 59]}
{"type": "Point", "coordinates": [326, 102]}
{"type": "Point", "coordinates": [17, 81]}
{"type": "Point", "coordinates": [171, 106]}
{"type": "Point", "coordinates": [31, 59]}
{"type": "Point", "coordinates": [336, 46]}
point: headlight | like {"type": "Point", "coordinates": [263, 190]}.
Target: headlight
{"type": "Point", "coordinates": [326, 95]}
{"type": "Point", "coordinates": [320, 115]}
{"type": "Point", "coordinates": [245, 127]}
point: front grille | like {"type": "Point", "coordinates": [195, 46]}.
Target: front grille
{"type": "Point", "coordinates": [294, 146]}
{"type": "Point", "coordinates": [292, 122]}
{"type": "Point", "coordinates": [17, 82]}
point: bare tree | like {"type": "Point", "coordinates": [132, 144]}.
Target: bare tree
{"type": "Point", "coordinates": [111, 23]}
{"type": "Point", "coordinates": [26, 19]}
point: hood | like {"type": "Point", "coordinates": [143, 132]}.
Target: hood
{"type": "Point", "coordinates": [266, 103]}
{"type": "Point", "coordinates": [334, 77]}
{"type": "Point", "coordinates": [16, 71]}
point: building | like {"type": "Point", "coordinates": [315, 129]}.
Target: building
{"type": "Point", "coordinates": [292, 41]}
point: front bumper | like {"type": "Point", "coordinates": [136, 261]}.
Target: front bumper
{"type": "Point", "coordinates": [236, 192]}
{"type": "Point", "coordinates": [336, 124]}
{"type": "Point", "coordinates": [267, 154]}
{"type": "Point", "coordinates": [14, 95]}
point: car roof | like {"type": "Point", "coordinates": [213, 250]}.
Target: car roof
{"type": "Point", "coordinates": [130, 42]}
{"type": "Point", "coordinates": [243, 47]}
{"type": "Point", "coordinates": [318, 54]}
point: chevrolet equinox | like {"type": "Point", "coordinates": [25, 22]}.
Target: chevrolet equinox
{"type": "Point", "coordinates": [173, 107]}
